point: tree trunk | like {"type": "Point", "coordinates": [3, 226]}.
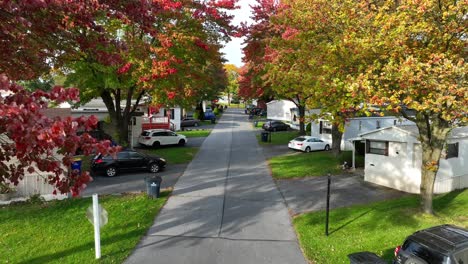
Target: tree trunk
{"type": "Point", "coordinates": [301, 120]}
{"type": "Point", "coordinates": [199, 110]}
{"type": "Point", "coordinates": [119, 121]}
{"type": "Point", "coordinates": [123, 129]}
{"type": "Point", "coordinates": [433, 135]}
{"type": "Point", "coordinates": [337, 135]}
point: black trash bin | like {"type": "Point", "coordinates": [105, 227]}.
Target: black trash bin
{"type": "Point", "coordinates": [365, 258]}
{"type": "Point", "coordinates": [265, 136]}
{"type": "Point", "coordinates": [153, 186]}
{"type": "Point", "coordinates": [213, 120]}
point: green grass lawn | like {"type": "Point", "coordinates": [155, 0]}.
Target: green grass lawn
{"type": "Point", "coordinates": [279, 138]}
{"type": "Point", "coordinates": [174, 155]}
{"type": "Point", "coordinates": [378, 227]}
{"type": "Point", "coordinates": [59, 232]}
{"type": "Point", "coordinates": [259, 124]}
{"type": "Point", "coordinates": [205, 122]}
{"type": "Point", "coordinates": [195, 133]}
{"type": "Point", "coordinates": [304, 165]}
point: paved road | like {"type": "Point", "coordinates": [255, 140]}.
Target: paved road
{"type": "Point", "coordinates": [225, 208]}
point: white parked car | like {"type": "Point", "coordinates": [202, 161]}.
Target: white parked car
{"type": "Point", "coordinates": [308, 143]}
{"type": "Point", "coordinates": [161, 137]}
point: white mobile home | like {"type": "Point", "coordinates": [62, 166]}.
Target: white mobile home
{"type": "Point", "coordinates": [355, 126]}
{"type": "Point", "coordinates": [280, 110]}
{"type": "Point", "coordinates": [393, 159]}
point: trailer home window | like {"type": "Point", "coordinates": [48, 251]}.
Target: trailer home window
{"type": "Point", "coordinates": [452, 150]}
{"type": "Point", "coordinates": [377, 147]}
{"type": "Point", "coordinates": [325, 127]}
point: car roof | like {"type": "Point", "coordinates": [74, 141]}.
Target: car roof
{"type": "Point", "coordinates": [445, 238]}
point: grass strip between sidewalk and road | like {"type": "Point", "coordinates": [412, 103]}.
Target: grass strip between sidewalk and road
{"type": "Point", "coordinates": [311, 164]}
{"type": "Point", "coordinates": [174, 155]}
{"type": "Point", "coordinates": [378, 227]}
{"type": "Point", "coordinates": [58, 231]}
{"type": "Point", "coordinates": [195, 133]}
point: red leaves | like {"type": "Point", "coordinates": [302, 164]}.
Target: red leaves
{"type": "Point", "coordinates": [227, 4]}
{"type": "Point", "coordinates": [171, 95]}
{"type": "Point", "coordinates": [290, 33]}
{"type": "Point", "coordinates": [171, 71]}
{"type": "Point", "coordinates": [124, 69]}
{"type": "Point", "coordinates": [202, 44]}
{"type": "Point", "coordinates": [41, 143]}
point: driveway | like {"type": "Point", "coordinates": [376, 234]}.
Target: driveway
{"type": "Point", "coordinates": [135, 181]}
{"type": "Point", "coordinates": [309, 194]}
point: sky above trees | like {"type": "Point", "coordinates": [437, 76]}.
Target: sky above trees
{"type": "Point", "coordinates": [233, 49]}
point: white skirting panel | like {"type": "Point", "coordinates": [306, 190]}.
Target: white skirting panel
{"type": "Point", "coordinates": [449, 184]}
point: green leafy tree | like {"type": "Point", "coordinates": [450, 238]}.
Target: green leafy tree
{"type": "Point", "coordinates": [422, 67]}
{"type": "Point", "coordinates": [232, 88]}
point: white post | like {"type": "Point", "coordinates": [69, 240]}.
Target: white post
{"type": "Point", "coordinates": [97, 226]}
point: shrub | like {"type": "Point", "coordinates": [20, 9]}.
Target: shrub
{"type": "Point", "coordinates": [216, 111]}
{"type": "Point", "coordinates": [308, 128]}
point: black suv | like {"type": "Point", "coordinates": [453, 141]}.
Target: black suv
{"type": "Point", "coordinates": [445, 244]}
{"type": "Point", "coordinates": [129, 160]}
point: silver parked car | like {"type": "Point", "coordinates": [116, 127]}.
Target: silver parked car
{"type": "Point", "coordinates": [189, 121]}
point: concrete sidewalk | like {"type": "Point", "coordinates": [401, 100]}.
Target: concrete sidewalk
{"type": "Point", "coordinates": [225, 208]}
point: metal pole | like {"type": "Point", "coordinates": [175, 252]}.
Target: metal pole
{"type": "Point", "coordinates": [97, 236]}
{"type": "Point", "coordinates": [354, 154]}
{"type": "Point", "coordinates": [328, 204]}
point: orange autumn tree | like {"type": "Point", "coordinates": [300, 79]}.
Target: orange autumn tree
{"type": "Point", "coordinates": [422, 67]}
{"type": "Point", "coordinates": [317, 56]}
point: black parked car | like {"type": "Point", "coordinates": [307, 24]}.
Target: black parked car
{"type": "Point", "coordinates": [126, 160]}
{"type": "Point", "coordinates": [275, 126]}
{"type": "Point", "coordinates": [444, 244]}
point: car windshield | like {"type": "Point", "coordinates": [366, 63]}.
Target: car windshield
{"type": "Point", "coordinates": [299, 139]}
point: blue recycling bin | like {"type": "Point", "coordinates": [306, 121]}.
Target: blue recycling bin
{"type": "Point", "coordinates": [76, 165]}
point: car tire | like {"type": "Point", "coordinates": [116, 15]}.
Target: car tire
{"type": "Point", "coordinates": [111, 171]}
{"type": "Point", "coordinates": [195, 125]}
{"type": "Point", "coordinates": [154, 167]}
{"type": "Point", "coordinates": [307, 150]}
{"type": "Point", "coordinates": [327, 147]}
{"type": "Point", "coordinates": [156, 144]}
{"type": "Point", "coordinates": [181, 142]}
